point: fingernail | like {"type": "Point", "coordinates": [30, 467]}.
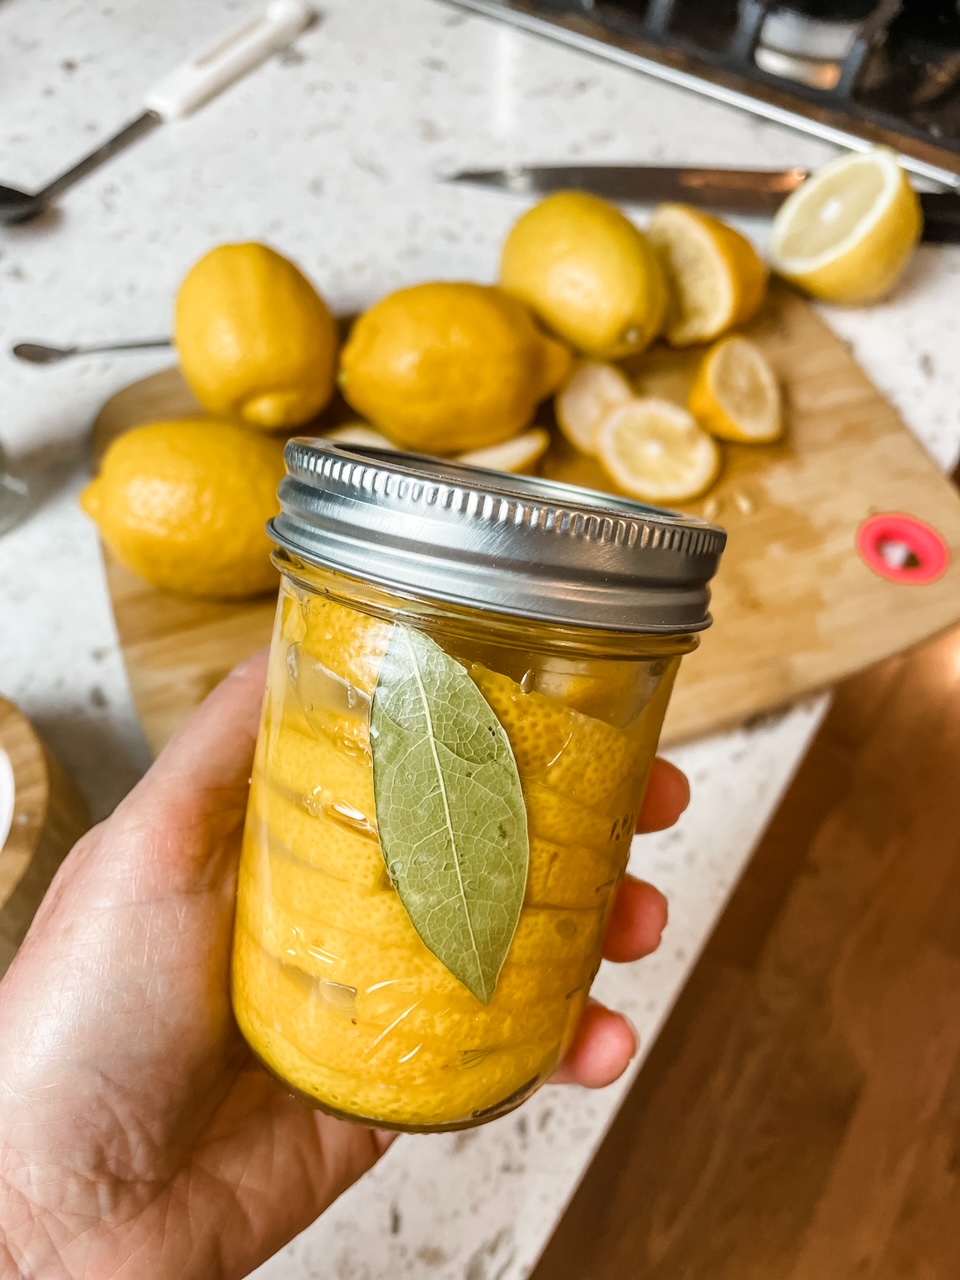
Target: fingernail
{"type": "Point", "coordinates": [248, 664]}
{"type": "Point", "coordinates": [686, 801]}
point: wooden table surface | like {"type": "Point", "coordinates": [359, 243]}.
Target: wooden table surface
{"type": "Point", "coordinates": [799, 1116]}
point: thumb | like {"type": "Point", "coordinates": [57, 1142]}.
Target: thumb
{"type": "Point", "coordinates": [194, 797]}
{"type": "Point", "coordinates": [173, 839]}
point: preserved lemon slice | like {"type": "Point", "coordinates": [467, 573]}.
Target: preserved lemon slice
{"type": "Point", "coordinates": [591, 393]}
{"type": "Point", "coordinates": [565, 877]}
{"type": "Point", "coordinates": [319, 901]}
{"type": "Point", "coordinates": [401, 970]}
{"type": "Point", "coordinates": [548, 935]}
{"type": "Point", "coordinates": [314, 1012]}
{"type": "Point", "coordinates": [718, 279]}
{"type": "Point", "coordinates": [654, 450]}
{"type": "Point", "coordinates": [516, 456]}
{"type": "Point", "coordinates": [847, 234]}
{"type": "Point", "coordinates": [349, 643]}
{"type": "Point", "coordinates": [400, 1082]}
{"type": "Point", "coordinates": [322, 777]}
{"type": "Point", "coordinates": [558, 819]}
{"type": "Point", "coordinates": [285, 827]}
{"type": "Point", "coordinates": [538, 727]}
{"type": "Point", "coordinates": [383, 1000]}
{"type": "Point", "coordinates": [735, 395]}
{"type": "Point", "coordinates": [581, 757]}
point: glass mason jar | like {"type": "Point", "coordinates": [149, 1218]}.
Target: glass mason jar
{"type": "Point", "coordinates": [467, 681]}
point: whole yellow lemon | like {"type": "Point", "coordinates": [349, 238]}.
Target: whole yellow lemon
{"type": "Point", "coordinates": [447, 367]}
{"type": "Point", "coordinates": [184, 505]}
{"type": "Point", "coordinates": [588, 273]}
{"type": "Point", "coordinates": [256, 341]}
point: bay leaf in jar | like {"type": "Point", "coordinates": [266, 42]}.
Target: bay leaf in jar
{"type": "Point", "coordinates": [450, 809]}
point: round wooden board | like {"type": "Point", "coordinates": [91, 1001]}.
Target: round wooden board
{"type": "Point", "coordinates": [795, 608]}
{"type": "Point", "coordinates": [49, 816]}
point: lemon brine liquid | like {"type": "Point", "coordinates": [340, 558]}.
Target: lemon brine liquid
{"type": "Point", "coordinates": [333, 985]}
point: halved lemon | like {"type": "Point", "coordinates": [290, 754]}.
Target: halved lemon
{"type": "Point", "coordinates": [717, 279]}
{"type": "Point", "coordinates": [848, 232]}
{"type": "Point", "coordinates": [516, 455]}
{"type": "Point", "coordinates": [735, 395]}
{"type": "Point", "coordinates": [590, 394]}
{"type": "Point", "coordinates": [654, 450]}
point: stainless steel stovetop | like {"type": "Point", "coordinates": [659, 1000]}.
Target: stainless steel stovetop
{"type": "Point", "coordinates": [851, 71]}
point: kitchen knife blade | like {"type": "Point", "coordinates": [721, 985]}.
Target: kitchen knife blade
{"type": "Point", "coordinates": [748, 191]}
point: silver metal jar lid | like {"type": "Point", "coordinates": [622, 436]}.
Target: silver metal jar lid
{"type": "Point", "coordinates": [514, 545]}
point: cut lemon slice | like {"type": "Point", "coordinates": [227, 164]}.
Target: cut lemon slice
{"type": "Point", "coordinates": [653, 449]}
{"type": "Point", "coordinates": [735, 395]}
{"type": "Point", "coordinates": [590, 394]}
{"type": "Point", "coordinates": [717, 278]}
{"type": "Point", "coordinates": [516, 455]}
{"type": "Point", "coordinates": [360, 433]}
{"type": "Point", "coordinates": [848, 232]}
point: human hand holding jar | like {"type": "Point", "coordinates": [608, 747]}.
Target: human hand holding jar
{"type": "Point", "coordinates": [138, 1134]}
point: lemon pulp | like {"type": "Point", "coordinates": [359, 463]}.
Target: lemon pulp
{"type": "Point", "coordinates": [847, 234]}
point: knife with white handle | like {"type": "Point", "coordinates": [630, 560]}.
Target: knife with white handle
{"type": "Point", "coordinates": [177, 95]}
{"type": "Point", "coordinates": [749, 191]}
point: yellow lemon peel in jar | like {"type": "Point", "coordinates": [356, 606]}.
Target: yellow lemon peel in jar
{"type": "Point", "coordinates": [600, 758]}
{"type": "Point", "coordinates": [350, 644]}
{"type": "Point", "coordinates": [398, 1082]}
{"type": "Point", "coordinates": [290, 829]}
{"type": "Point", "coordinates": [364, 1018]}
{"type": "Point", "coordinates": [559, 880]}
{"type": "Point", "coordinates": [315, 766]}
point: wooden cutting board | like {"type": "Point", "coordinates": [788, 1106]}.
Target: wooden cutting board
{"type": "Point", "coordinates": [795, 607]}
{"type": "Point", "coordinates": [48, 816]}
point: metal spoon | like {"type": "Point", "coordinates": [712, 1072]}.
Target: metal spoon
{"type": "Point", "coordinates": [41, 353]}
{"type": "Point", "coordinates": [177, 95]}
{"type": "Point", "coordinates": [14, 497]}
{"type": "Point", "coordinates": [21, 206]}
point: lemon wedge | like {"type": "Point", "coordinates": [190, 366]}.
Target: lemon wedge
{"type": "Point", "coordinates": [847, 234]}
{"type": "Point", "coordinates": [590, 394]}
{"type": "Point", "coordinates": [735, 395]}
{"type": "Point", "coordinates": [517, 455]}
{"type": "Point", "coordinates": [654, 450]}
{"type": "Point", "coordinates": [360, 433]}
{"type": "Point", "coordinates": [717, 279]}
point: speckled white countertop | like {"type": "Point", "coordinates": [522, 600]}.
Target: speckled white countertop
{"type": "Point", "coordinates": [330, 152]}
